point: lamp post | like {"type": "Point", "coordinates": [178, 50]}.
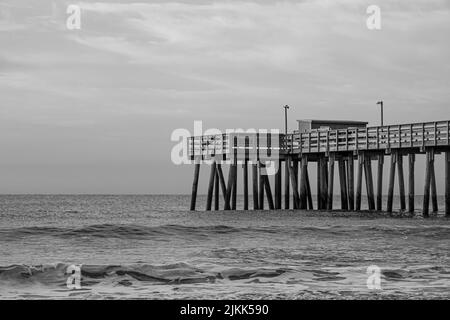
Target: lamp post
{"type": "Point", "coordinates": [381, 105]}
{"type": "Point", "coordinates": [286, 107]}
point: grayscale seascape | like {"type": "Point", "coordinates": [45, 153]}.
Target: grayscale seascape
{"type": "Point", "coordinates": [152, 247]}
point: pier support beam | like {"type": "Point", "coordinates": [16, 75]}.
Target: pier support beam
{"type": "Point", "coordinates": [351, 183]}
{"type": "Point", "coordinates": [245, 184]}
{"type": "Point", "coordinates": [447, 183]}
{"type": "Point", "coordinates": [296, 202]}
{"type": "Point", "coordinates": [278, 186]}
{"type": "Point", "coordinates": [359, 182]}
{"type": "Point", "coordinates": [369, 182]}
{"type": "Point", "coordinates": [426, 192]}
{"type": "Point", "coordinates": [308, 189]}
{"type": "Point", "coordinates": [221, 180]}
{"type": "Point", "coordinates": [216, 190]}
{"type": "Point", "coordinates": [434, 202]}
{"type": "Point", "coordinates": [331, 161]}
{"type": "Point", "coordinates": [390, 199]}
{"type": "Point", "coordinates": [268, 190]}
{"type": "Point", "coordinates": [303, 182]}
{"type": "Point", "coordinates": [380, 182]}
{"type": "Point", "coordinates": [343, 184]}
{"type": "Point", "coordinates": [195, 186]}
{"type": "Point", "coordinates": [286, 183]}
{"type": "Point", "coordinates": [294, 172]}
{"type": "Point", "coordinates": [211, 186]}
{"type": "Point", "coordinates": [401, 181]}
{"type": "Point", "coordinates": [230, 182]}
{"type": "Point", "coordinates": [255, 186]}
{"type": "Point", "coordinates": [411, 193]}
{"type": "Point", "coordinates": [261, 186]}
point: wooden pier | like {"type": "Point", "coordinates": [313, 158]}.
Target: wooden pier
{"type": "Point", "coordinates": [330, 149]}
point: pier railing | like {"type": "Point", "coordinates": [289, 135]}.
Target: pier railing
{"type": "Point", "coordinates": [250, 146]}
{"type": "Point", "coordinates": [410, 135]}
{"type": "Point", "coordinates": [257, 145]}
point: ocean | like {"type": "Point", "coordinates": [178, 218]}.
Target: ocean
{"type": "Point", "coordinates": [152, 247]}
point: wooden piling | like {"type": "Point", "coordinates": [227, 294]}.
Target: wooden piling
{"type": "Point", "coordinates": [308, 189]}
{"type": "Point", "coordinates": [211, 186]}
{"type": "Point", "coordinates": [230, 181]}
{"type": "Point", "coordinates": [255, 186]}
{"type": "Point", "coordinates": [294, 173]}
{"type": "Point", "coordinates": [380, 182]}
{"type": "Point", "coordinates": [195, 186]}
{"type": "Point", "coordinates": [278, 190]}
{"type": "Point", "coordinates": [324, 183]}
{"type": "Point", "coordinates": [369, 182]}
{"type": "Point", "coordinates": [216, 191]}
{"type": "Point", "coordinates": [319, 184]}
{"type": "Point", "coordinates": [401, 181]}
{"type": "Point", "coordinates": [447, 183]}
{"type": "Point", "coordinates": [426, 191]}
{"type": "Point", "coordinates": [286, 183]}
{"type": "Point", "coordinates": [234, 195]}
{"type": "Point", "coordinates": [390, 199]}
{"type": "Point", "coordinates": [359, 182]}
{"type": "Point", "coordinates": [331, 161]}
{"type": "Point", "coordinates": [434, 202]}
{"type": "Point", "coordinates": [296, 202]}
{"type": "Point", "coordinates": [351, 183]}
{"type": "Point", "coordinates": [411, 193]}
{"type": "Point", "coordinates": [343, 184]}
{"type": "Point", "coordinates": [261, 186]}
{"type": "Point", "coordinates": [221, 180]}
{"type": "Point", "coordinates": [268, 191]}
{"type": "Point", "coordinates": [245, 184]}
{"type": "Point", "coordinates": [303, 190]}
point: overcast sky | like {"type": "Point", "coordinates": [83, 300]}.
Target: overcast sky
{"type": "Point", "coordinates": [92, 110]}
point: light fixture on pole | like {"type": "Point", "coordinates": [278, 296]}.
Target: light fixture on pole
{"type": "Point", "coordinates": [286, 107]}
{"type": "Point", "coordinates": [381, 105]}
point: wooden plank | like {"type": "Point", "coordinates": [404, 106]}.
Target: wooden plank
{"type": "Point", "coordinates": [411, 193]}
{"type": "Point", "coordinates": [195, 186]}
